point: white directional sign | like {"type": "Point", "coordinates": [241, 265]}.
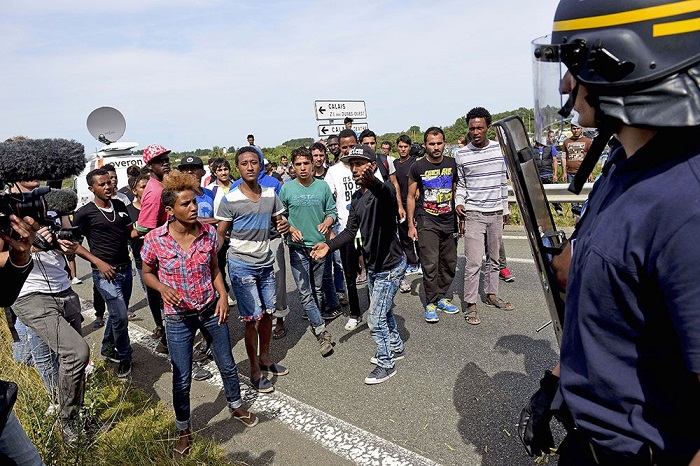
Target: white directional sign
{"type": "Point", "coordinates": [339, 109]}
{"type": "Point", "coordinates": [327, 130]}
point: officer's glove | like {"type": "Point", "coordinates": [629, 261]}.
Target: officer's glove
{"type": "Point", "coordinates": [533, 427]}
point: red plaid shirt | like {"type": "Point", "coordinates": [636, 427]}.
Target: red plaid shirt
{"type": "Point", "coordinates": [188, 272]}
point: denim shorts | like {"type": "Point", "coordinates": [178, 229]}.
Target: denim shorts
{"type": "Point", "coordinates": [255, 291]}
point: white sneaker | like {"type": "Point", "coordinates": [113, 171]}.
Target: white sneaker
{"type": "Point", "coordinates": [352, 324]}
{"type": "Point", "coordinates": [404, 287]}
{"type": "Point", "coordinates": [76, 281]}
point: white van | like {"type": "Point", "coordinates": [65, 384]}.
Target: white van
{"type": "Point", "coordinates": [119, 154]}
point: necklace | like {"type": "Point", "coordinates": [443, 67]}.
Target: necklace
{"type": "Point", "coordinates": [114, 211]}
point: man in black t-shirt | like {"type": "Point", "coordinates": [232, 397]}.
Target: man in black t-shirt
{"type": "Point", "coordinates": [106, 224]}
{"type": "Point", "coordinates": [403, 167]}
{"type": "Point", "coordinates": [434, 178]}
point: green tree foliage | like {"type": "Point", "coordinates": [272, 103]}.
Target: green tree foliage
{"type": "Point", "coordinates": [294, 143]}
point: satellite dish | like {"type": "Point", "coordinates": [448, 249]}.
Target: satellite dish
{"type": "Point", "coordinates": [106, 124]}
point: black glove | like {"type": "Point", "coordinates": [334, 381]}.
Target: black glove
{"type": "Point", "coordinates": [533, 427]}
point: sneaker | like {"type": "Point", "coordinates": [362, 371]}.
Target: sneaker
{"type": "Point", "coordinates": [201, 353]}
{"type": "Point", "coordinates": [431, 314]}
{"type": "Point", "coordinates": [99, 322]}
{"type": "Point", "coordinates": [200, 373]}
{"type": "Point", "coordinates": [560, 213]}
{"type": "Point", "coordinates": [161, 348]}
{"type": "Point", "coordinates": [111, 355]}
{"type": "Point", "coordinates": [326, 343]}
{"type": "Point", "coordinates": [446, 306]}
{"type": "Point", "coordinates": [262, 385]}
{"type": "Point", "coordinates": [398, 355]}
{"type": "Point", "coordinates": [90, 368]}
{"type": "Point", "coordinates": [404, 287]}
{"type": "Point", "coordinates": [124, 369]}
{"type": "Point", "coordinates": [353, 322]}
{"type": "Point", "coordinates": [380, 374]}
{"type": "Point", "coordinates": [131, 315]}
{"type": "Point", "coordinates": [505, 275]}
{"type": "Point", "coordinates": [361, 279]}
{"type": "Point", "coordinates": [332, 314]}
{"type": "Point", "coordinates": [412, 269]}
{"type": "Point", "coordinates": [76, 281]}
{"type": "Point", "coordinates": [342, 299]}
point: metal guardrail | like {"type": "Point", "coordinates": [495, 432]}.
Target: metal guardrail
{"type": "Point", "coordinates": [558, 193]}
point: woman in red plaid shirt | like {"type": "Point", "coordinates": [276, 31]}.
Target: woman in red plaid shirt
{"type": "Point", "coordinates": [179, 261]}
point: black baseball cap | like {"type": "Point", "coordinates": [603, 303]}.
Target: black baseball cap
{"type": "Point", "coordinates": [191, 160]}
{"type": "Point", "coordinates": [360, 151]}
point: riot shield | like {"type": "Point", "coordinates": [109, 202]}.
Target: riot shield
{"type": "Point", "coordinates": [545, 239]}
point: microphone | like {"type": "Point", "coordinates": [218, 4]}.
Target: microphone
{"type": "Point", "coordinates": [61, 201]}
{"type": "Point", "coordinates": [40, 159]}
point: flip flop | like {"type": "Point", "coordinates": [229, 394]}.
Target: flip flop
{"type": "Point", "coordinates": [251, 420]}
{"type": "Point", "coordinates": [279, 333]}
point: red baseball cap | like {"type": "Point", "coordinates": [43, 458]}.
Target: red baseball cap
{"type": "Point", "coordinates": [153, 151]}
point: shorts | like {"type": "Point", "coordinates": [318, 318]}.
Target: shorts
{"type": "Point", "coordinates": [255, 290]}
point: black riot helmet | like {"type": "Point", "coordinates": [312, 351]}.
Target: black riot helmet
{"type": "Point", "coordinates": [638, 59]}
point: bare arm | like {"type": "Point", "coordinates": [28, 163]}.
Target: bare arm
{"type": "Point", "coordinates": [105, 269]}
{"type": "Point", "coordinates": [222, 230]}
{"type": "Point", "coordinates": [411, 205]}
{"type": "Point", "coordinates": [399, 202]}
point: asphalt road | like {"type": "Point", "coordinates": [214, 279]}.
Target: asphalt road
{"type": "Point", "coordinates": [455, 398]}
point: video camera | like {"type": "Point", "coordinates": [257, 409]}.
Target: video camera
{"type": "Point", "coordinates": [44, 160]}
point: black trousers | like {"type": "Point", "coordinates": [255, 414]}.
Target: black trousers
{"type": "Point", "coordinates": [350, 257]}
{"type": "Point", "coordinates": [438, 255]}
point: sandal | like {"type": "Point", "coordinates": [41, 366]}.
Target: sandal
{"type": "Point", "coordinates": [471, 316]}
{"type": "Point", "coordinates": [262, 385]}
{"type": "Point", "coordinates": [157, 333]}
{"type": "Point", "coordinates": [183, 453]}
{"type": "Point", "coordinates": [249, 420]}
{"type": "Point", "coordinates": [498, 303]}
{"type": "Point", "coordinates": [279, 333]}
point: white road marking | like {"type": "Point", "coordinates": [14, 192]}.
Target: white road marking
{"type": "Point", "coordinates": [340, 437]}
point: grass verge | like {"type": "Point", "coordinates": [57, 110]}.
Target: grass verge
{"type": "Point", "coordinates": [142, 429]}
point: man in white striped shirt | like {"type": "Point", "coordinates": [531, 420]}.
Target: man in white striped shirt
{"type": "Point", "coordinates": [482, 201]}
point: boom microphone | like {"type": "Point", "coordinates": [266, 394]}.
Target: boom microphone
{"type": "Point", "coordinates": [61, 201]}
{"type": "Point", "coordinates": [40, 159]}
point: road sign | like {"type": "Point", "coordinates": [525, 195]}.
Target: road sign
{"type": "Point", "coordinates": [327, 130]}
{"type": "Point", "coordinates": [339, 109]}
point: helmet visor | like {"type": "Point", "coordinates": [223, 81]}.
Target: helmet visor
{"type": "Point", "coordinates": [547, 73]}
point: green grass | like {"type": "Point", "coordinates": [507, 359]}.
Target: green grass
{"type": "Point", "coordinates": [142, 433]}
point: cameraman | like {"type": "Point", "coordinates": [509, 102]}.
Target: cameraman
{"type": "Point", "coordinates": [15, 265]}
{"type": "Point", "coordinates": [47, 305]}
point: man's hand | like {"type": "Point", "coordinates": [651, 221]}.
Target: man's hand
{"type": "Point", "coordinates": [222, 309]}
{"type": "Point", "coordinates": [366, 176]}
{"type": "Point", "coordinates": [319, 251]}
{"type": "Point", "coordinates": [412, 232]}
{"type": "Point", "coordinates": [20, 248]}
{"type": "Point", "coordinates": [506, 219]}
{"type": "Point", "coordinates": [282, 225]}
{"type": "Point", "coordinates": [461, 211]}
{"type": "Point", "coordinates": [106, 270]}
{"type": "Point", "coordinates": [533, 426]}
{"type": "Point", "coordinates": [402, 213]}
{"type": "Point", "coordinates": [67, 247]}
{"type": "Point", "coordinates": [297, 237]}
{"type": "Point", "coordinates": [170, 295]}
{"type": "Point", "coordinates": [322, 228]}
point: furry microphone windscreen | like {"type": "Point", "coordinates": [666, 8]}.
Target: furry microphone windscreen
{"type": "Point", "coordinates": [40, 159]}
{"type": "Point", "coordinates": [61, 201]}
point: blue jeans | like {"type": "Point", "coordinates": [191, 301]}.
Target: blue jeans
{"type": "Point", "coordinates": [15, 446]}
{"type": "Point", "coordinates": [380, 317]}
{"type": "Point", "coordinates": [31, 350]}
{"type": "Point", "coordinates": [116, 294]}
{"type": "Point", "coordinates": [308, 275]}
{"type": "Point", "coordinates": [255, 290]}
{"type": "Point", "coordinates": [180, 330]}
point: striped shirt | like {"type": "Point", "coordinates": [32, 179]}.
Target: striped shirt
{"type": "Point", "coordinates": [482, 184]}
{"type": "Point", "coordinates": [250, 222]}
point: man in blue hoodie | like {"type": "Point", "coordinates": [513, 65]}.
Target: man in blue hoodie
{"type": "Point", "coordinates": [277, 246]}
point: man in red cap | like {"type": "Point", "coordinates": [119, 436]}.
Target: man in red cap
{"type": "Point", "coordinates": [153, 215]}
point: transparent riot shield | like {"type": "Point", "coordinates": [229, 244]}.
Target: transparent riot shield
{"type": "Point", "coordinates": [545, 240]}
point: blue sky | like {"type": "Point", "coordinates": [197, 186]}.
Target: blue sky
{"type": "Point", "coordinates": [194, 74]}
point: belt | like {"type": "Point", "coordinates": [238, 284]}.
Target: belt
{"type": "Point", "coordinates": [121, 268]}
{"type": "Point", "coordinates": [498, 212]}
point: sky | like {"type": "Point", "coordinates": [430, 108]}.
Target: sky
{"type": "Point", "coordinates": [196, 74]}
